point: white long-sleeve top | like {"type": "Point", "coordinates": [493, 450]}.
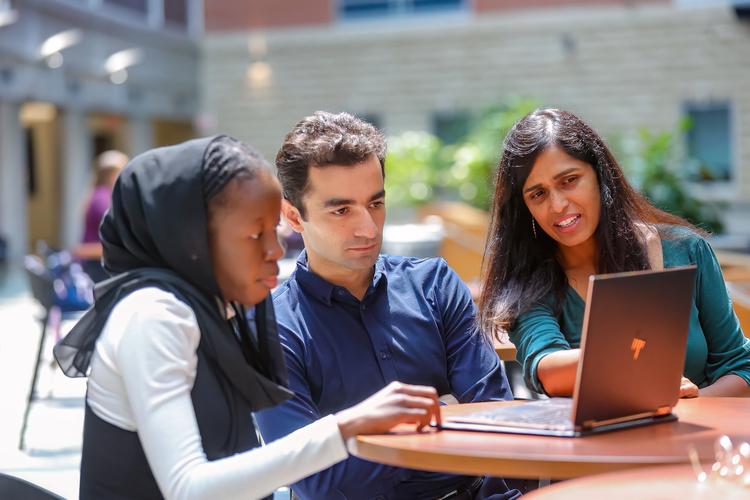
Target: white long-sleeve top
{"type": "Point", "coordinates": [142, 373]}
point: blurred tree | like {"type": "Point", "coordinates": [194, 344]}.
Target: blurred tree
{"type": "Point", "coordinates": [413, 166]}
{"type": "Point", "coordinates": [420, 167]}
{"type": "Point", "coordinates": [473, 160]}
{"type": "Point", "coordinates": [655, 167]}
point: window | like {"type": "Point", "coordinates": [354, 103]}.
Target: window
{"type": "Point", "coordinates": [368, 8]}
{"type": "Point", "coordinates": [175, 12]}
{"type": "Point", "coordinates": [31, 164]}
{"type": "Point", "coordinates": [140, 6]}
{"type": "Point", "coordinates": [450, 127]}
{"type": "Point", "coordinates": [708, 142]}
{"type": "Point", "coordinates": [371, 118]}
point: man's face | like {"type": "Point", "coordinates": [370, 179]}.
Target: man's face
{"type": "Point", "coordinates": [344, 216]}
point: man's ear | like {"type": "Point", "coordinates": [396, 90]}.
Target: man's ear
{"type": "Point", "coordinates": [292, 215]}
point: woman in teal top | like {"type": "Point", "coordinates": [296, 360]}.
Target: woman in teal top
{"type": "Point", "coordinates": [563, 211]}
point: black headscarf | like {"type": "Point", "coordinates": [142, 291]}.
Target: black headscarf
{"type": "Point", "coordinates": [156, 234]}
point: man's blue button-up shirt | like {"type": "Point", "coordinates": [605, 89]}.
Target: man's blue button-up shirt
{"type": "Point", "coordinates": [415, 324]}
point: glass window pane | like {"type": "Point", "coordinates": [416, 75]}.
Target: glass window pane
{"type": "Point", "coordinates": [451, 127]}
{"type": "Point", "coordinates": [357, 8]}
{"type": "Point", "coordinates": [366, 8]}
{"type": "Point", "coordinates": [175, 12]}
{"type": "Point", "coordinates": [427, 5]}
{"type": "Point", "coordinates": [135, 5]}
{"type": "Point", "coordinates": [371, 118]}
{"type": "Point", "coordinates": [709, 143]}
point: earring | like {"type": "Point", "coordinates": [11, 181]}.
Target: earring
{"type": "Point", "coordinates": [533, 227]}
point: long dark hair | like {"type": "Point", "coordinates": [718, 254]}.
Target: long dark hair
{"type": "Point", "coordinates": [520, 268]}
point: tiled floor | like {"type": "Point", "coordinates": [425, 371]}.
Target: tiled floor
{"type": "Point", "coordinates": [52, 453]}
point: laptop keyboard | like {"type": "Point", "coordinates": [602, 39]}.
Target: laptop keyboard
{"type": "Point", "coordinates": [553, 414]}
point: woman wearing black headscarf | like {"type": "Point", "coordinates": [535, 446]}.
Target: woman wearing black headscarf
{"type": "Point", "coordinates": [174, 369]}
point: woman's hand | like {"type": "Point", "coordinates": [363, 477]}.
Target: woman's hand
{"type": "Point", "coordinates": [688, 389]}
{"type": "Point", "coordinates": [396, 403]}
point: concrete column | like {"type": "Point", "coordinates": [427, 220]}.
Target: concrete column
{"type": "Point", "coordinates": [156, 13]}
{"type": "Point", "coordinates": [141, 135]}
{"type": "Point", "coordinates": [13, 181]}
{"type": "Point", "coordinates": [76, 176]}
{"type": "Point", "coordinates": [195, 18]}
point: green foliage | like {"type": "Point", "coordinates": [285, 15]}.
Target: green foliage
{"type": "Point", "coordinates": [473, 160]}
{"type": "Point", "coordinates": [413, 168]}
{"type": "Point", "coordinates": [652, 163]}
{"type": "Point", "coordinates": [419, 166]}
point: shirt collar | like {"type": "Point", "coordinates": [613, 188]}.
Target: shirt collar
{"type": "Point", "coordinates": [322, 289]}
{"type": "Point", "coordinates": [225, 308]}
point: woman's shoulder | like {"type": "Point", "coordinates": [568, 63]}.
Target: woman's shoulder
{"type": "Point", "coordinates": [151, 311]}
{"type": "Point", "coordinates": [153, 300]}
{"type": "Point", "coordinates": [681, 244]}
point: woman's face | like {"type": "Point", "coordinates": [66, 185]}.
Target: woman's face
{"type": "Point", "coordinates": [242, 238]}
{"type": "Point", "coordinates": [562, 194]}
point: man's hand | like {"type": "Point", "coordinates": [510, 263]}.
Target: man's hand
{"type": "Point", "coordinates": [395, 404]}
{"type": "Point", "coordinates": [688, 389]}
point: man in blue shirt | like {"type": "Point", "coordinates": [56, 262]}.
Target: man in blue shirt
{"type": "Point", "coordinates": [351, 320]}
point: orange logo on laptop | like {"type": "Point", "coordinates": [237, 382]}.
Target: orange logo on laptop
{"type": "Point", "coordinates": [636, 347]}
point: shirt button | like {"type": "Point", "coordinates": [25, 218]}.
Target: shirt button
{"type": "Point", "coordinates": [383, 355]}
{"type": "Point", "coordinates": [363, 306]}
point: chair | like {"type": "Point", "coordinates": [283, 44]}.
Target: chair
{"type": "Point", "coordinates": [42, 289]}
{"type": "Point", "coordinates": [14, 488]}
{"type": "Point", "coordinates": [740, 293]}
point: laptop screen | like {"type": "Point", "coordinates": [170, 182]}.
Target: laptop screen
{"type": "Point", "coordinates": [633, 344]}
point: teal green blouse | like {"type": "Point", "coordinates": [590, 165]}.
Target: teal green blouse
{"type": "Point", "coordinates": [715, 346]}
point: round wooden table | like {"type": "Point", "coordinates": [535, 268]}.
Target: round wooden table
{"type": "Point", "coordinates": [701, 422]}
{"type": "Point", "coordinates": [649, 483]}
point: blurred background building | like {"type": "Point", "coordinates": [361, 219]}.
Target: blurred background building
{"type": "Point", "coordinates": [432, 65]}
{"type": "Point", "coordinates": [81, 76]}
{"type": "Point", "coordinates": [667, 82]}
{"type": "Point", "coordinates": [78, 77]}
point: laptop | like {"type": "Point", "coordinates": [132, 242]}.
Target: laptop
{"type": "Point", "coordinates": [633, 345]}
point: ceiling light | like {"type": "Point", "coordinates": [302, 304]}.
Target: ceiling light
{"type": "Point", "coordinates": [122, 60]}
{"type": "Point", "coordinates": [59, 42]}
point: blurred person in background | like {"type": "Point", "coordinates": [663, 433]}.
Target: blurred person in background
{"type": "Point", "coordinates": [108, 166]}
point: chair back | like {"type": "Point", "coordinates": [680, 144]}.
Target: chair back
{"type": "Point", "coordinates": [740, 293]}
{"type": "Point", "coordinates": [40, 280]}
{"type": "Point", "coordinates": [12, 488]}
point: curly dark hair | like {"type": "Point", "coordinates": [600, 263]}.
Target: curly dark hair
{"type": "Point", "coordinates": [323, 139]}
{"type": "Point", "coordinates": [519, 269]}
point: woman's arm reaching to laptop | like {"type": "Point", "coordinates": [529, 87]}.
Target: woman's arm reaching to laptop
{"type": "Point", "coordinates": [557, 372]}
{"type": "Point", "coordinates": [729, 385]}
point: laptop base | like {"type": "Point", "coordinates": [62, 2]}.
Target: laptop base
{"type": "Point", "coordinates": [481, 427]}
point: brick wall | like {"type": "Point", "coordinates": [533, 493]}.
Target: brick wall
{"type": "Point", "coordinates": [225, 15]}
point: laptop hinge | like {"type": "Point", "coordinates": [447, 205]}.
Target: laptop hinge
{"type": "Point", "coordinates": [592, 424]}
{"type": "Point", "coordinates": [663, 410]}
